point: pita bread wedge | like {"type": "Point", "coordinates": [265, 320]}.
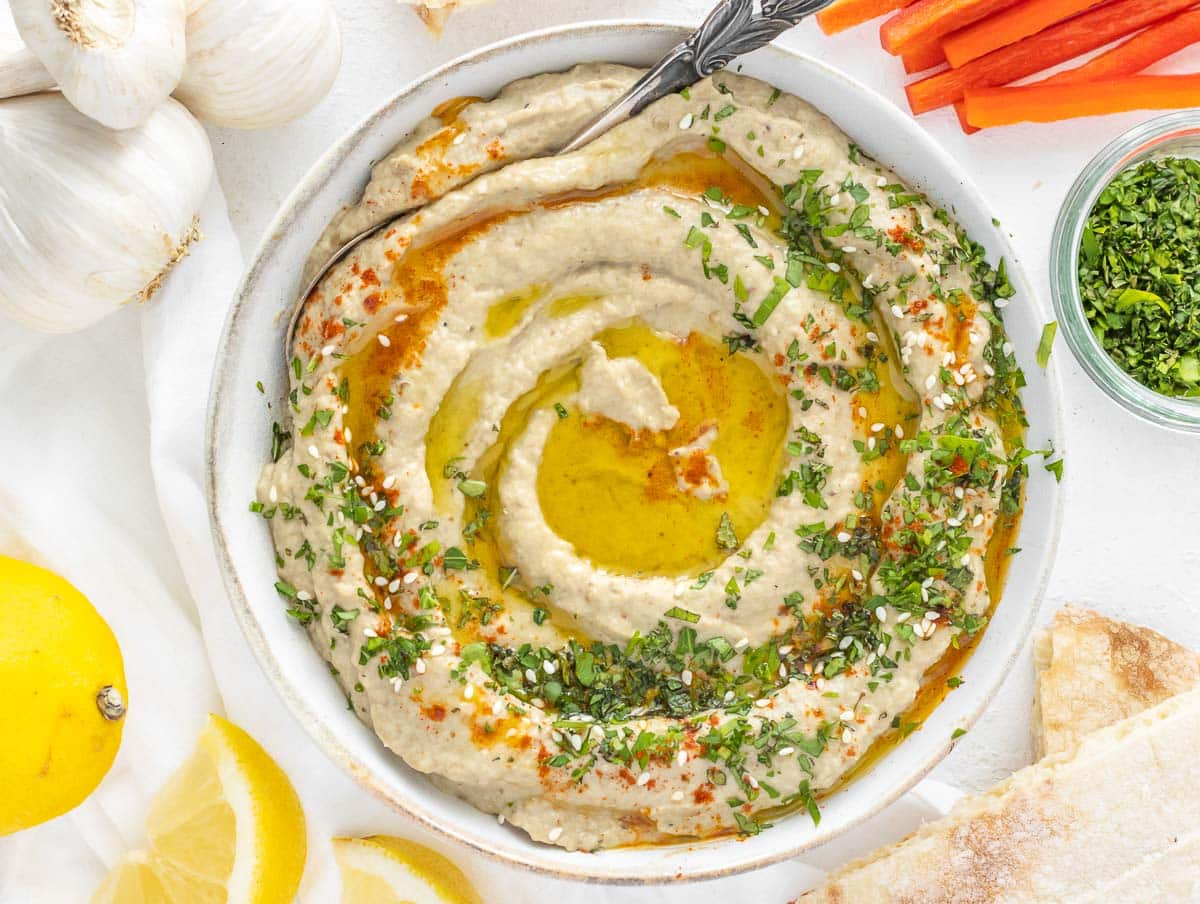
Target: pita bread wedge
{"type": "Point", "coordinates": [1094, 671]}
{"type": "Point", "coordinates": [1116, 819]}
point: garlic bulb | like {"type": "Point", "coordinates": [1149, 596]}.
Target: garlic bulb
{"type": "Point", "coordinates": [115, 60]}
{"type": "Point", "coordinates": [258, 63]}
{"type": "Point", "coordinates": [93, 217]}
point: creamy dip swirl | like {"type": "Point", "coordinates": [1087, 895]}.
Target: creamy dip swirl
{"type": "Point", "coordinates": [632, 494]}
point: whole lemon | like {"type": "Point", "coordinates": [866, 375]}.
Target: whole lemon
{"type": "Point", "coordinates": [64, 696]}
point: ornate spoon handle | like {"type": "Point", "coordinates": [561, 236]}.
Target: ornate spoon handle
{"type": "Point", "coordinates": [733, 28]}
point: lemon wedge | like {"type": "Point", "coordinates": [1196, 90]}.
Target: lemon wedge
{"type": "Point", "coordinates": [227, 827]}
{"type": "Point", "coordinates": [383, 869]}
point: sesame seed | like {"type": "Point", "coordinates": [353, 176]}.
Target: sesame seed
{"type": "Point", "coordinates": [397, 683]}
{"type": "Point", "coordinates": [686, 121]}
{"type": "Point", "coordinates": [763, 210]}
{"type": "Point", "coordinates": [303, 595]}
{"type": "Point", "coordinates": [686, 677]}
{"type": "Point", "coordinates": [742, 643]}
{"type": "Point", "coordinates": [394, 585]}
{"type": "Point", "coordinates": [380, 581]}
{"type": "Point", "coordinates": [762, 702]}
{"type": "Point", "coordinates": [530, 675]}
{"type": "Point", "coordinates": [881, 613]}
{"type": "Point", "coordinates": [726, 699]}
{"type": "Point", "coordinates": [902, 616]}
{"type": "Point", "coordinates": [843, 537]}
{"type": "Point", "coordinates": [786, 751]}
{"type": "Point", "coordinates": [966, 559]}
{"type": "Point", "coordinates": [384, 340]}
{"type": "Point", "coordinates": [977, 520]}
{"type": "Point", "coordinates": [369, 632]}
{"type": "Point", "coordinates": [1001, 303]}
{"type": "Point", "coordinates": [387, 602]}
{"type": "Point", "coordinates": [856, 574]}
{"type": "Point", "coordinates": [798, 152]}
{"type": "Point", "coordinates": [468, 691]}
{"type": "Point", "coordinates": [400, 318]}
{"type": "Point", "coordinates": [389, 481]}
{"type": "Point", "coordinates": [849, 249]}
{"type": "Point", "coordinates": [554, 834]}
{"type": "Point", "coordinates": [834, 268]}
{"type": "Point", "coordinates": [312, 450]}
{"type": "Point", "coordinates": [576, 742]}
{"type": "Point", "coordinates": [847, 715]}
{"type": "Point", "coordinates": [681, 758]}
{"type": "Point", "coordinates": [881, 182]}
{"type": "Point", "coordinates": [897, 310]}
{"type": "Point", "coordinates": [549, 666]}
{"type": "Point", "coordinates": [677, 796]}
{"type": "Point", "coordinates": [835, 199]}
{"type": "Point", "coordinates": [877, 427]}
{"type": "Point", "coordinates": [380, 505]}
{"type": "Point", "coordinates": [848, 736]}
{"type": "Point", "coordinates": [419, 668]}
{"type": "Point", "coordinates": [845, 642]}
{"type": "Point", "coordinates": [872, 336]}
{"type": "Point", "coordinates": [931, 615]}
{"type": "Point", "coordinates": [862, 411]}
{"type": "Point", "coordinates": [327, 351]}
{"type": "Point", "coordinates": [410, 578]}
{"type": "Point", "coordinates": [898, 432]}
{"type": "Point", "coordinates": [643, 780]}
{"type": "Point", "coordinates": [869, 282]}
{"type": "Point", "coordinates": [930, 381]}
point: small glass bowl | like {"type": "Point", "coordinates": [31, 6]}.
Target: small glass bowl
{"type": "Point", "coordinates": [1173, 135]}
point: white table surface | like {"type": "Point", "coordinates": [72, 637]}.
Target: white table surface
{"type": "Point", "coordinates": [1131, 533]}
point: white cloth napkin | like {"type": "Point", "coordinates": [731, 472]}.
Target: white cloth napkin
{"type": "Point", "coordinates": [101, 480]}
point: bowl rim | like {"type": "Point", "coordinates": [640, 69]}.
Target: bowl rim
{"type": "Point", "coordinates": [328, 740]}
{"type": "Point", "coordinates": [1144, 141]}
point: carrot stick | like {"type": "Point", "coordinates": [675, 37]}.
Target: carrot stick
{"type": "Point", "coordinates": [919, 57]}
{"type": "Point", "coordinates": [960, 110]}
{"type": "Point", "coordinates": [1008, 27]}
{"type": "Point", "coordinates": [1049, 103]}
{"type": "Point", "coordinates": [1144, 49]}
{"type": "Point", "coordinates": [928, 20]}
{"type": "Point", "coordinates": [1055, 45]}
{"type": "Point", "coordinates": [845, 14]}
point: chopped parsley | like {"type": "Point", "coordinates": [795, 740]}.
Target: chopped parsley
{"type": "Point", "coordinates": [1139, 273]}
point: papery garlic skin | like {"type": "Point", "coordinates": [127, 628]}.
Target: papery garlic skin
{"type": "Point", "coordinates": [115, 60]}
{"type": "Point", "coordinates": [254, 64]}
{"type": "Point", "coordinates": [91, 218]}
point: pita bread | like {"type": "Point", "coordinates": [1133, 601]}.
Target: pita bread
{"type": "Point", "coordinates": [1118, 814]}
{"type": "Point", "coordinates": [1094, 671]}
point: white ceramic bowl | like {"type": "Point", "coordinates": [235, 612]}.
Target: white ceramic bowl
{"type": "Point", "coordinates": [239, 437]}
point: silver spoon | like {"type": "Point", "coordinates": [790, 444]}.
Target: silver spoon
{"type": "Point", "coordinates": [732, 29]}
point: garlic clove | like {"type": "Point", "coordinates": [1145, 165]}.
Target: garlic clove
{"type": "Point", "coordinates": [115, 60]}
{"type": "Point", "coordinates": [254, 64]}
{"type": "Point", "coordinates": [92, 217]}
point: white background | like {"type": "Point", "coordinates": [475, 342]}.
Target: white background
{"type": "Point", "coordinates": [1131, 540]}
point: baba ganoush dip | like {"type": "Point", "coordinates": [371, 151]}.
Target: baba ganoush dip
{"type": "Point", "coordinates": [634, 494]}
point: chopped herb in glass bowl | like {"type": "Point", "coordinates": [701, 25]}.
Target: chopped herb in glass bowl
{"type": "Point", "coordinates": [1125, 270]}
{"type": "Point", "coordinates": [1139, 273]}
